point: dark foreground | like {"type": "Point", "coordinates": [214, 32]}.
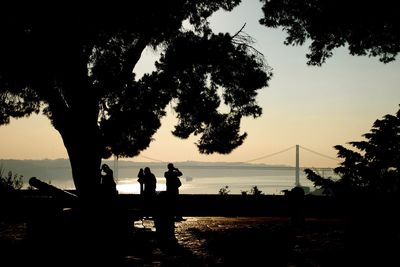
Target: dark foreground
{"type": "Point", "coordinates": [200, 241]}
{"type": "Point", "coordinates": [213, 241]}
{"type": "Point", "coordinates": [253, 231]}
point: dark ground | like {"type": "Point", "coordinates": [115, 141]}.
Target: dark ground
{"type": "Point", "coordinates": [204, 241]}
{"type": "Point", "coordinates": [214, 241]}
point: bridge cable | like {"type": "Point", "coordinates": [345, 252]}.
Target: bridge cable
{"type": "Point", "coordinates": [152, 159]}
{"type": "Point", "coordinates": [319, 154]}
{"type": "Point", "coordinates": [269, 155]}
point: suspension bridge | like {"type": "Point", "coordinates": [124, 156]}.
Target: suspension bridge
{"type": "Point", "coordinates": [296, 168]}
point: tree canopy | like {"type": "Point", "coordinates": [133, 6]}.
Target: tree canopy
{"type": "Point", "coordinates": [372, 167]}
{"type": "Point", "coordinates": [75, 65]}
{"type": "Point", "coordinates": [48, 57]}
{"type": "Point", "coordinates": [367, 27]}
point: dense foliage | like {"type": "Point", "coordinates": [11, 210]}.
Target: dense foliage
{"type": "Point", "coordinates": [76, 65]}
{"type": "Point", "coordinates": [372, 167]}
{"type": "Point", "coordinates": [366, 27]}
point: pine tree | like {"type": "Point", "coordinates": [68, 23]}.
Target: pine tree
{"type": "Point", "coordinates": [372, 166]}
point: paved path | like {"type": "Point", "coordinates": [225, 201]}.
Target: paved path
{"type": "Point", "coordinates": [223, 241]}
{"type": "Point", "coordinates": [232, 241]}
{"type": "Point", "coordinates": [247, 241]}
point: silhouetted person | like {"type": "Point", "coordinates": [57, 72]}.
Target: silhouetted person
{"type": "Point", "coordinates": [173, 183]}
{"type": "Point", "coordinates": [107, 183]}
{"type": "Point", "coordinates": [150, 183]}
{"type": "Point", "coordinates": [172, 179]}
{"type": "Point", "coordinates": [106, 223]}
{"type": "Point", "coordinates": [141, 180]}
{"type": "Point", "coordinates": [149, 191]}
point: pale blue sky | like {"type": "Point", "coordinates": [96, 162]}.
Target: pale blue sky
{"type": "Point", "coordinates": [316, 107]}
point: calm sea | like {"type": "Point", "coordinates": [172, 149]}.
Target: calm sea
{"type": "Point", "coordinates": [208, 179]}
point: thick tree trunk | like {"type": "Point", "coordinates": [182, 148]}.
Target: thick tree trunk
{"type": "Point", "coordinates": [83, 143]}
{"type": "Point", "coordinates": [101, 224]}
{"type": "Point", "coordinates": [85, 163]}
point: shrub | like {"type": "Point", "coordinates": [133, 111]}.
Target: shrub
{"type": "Point", "coordinates": [224, 190]}
{"type": "Point", "coordinates": [10, 182]}
{"type": "Point", "coordinates": [255, 191]}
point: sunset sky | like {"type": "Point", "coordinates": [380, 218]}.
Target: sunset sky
{"type": "Point", "coordinates": [315, 107]}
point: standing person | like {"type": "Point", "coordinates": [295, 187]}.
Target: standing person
{"type": "Point", "coordinates": [172, 179]}
{"type": "Point", "coordinates": [173, 183]}
{"type": "Point", "coordinates": [141, 180]}
{"type": "Point", "coordinates": [107, 183]}
{"type": "Point", "coordinates": [150, 182]}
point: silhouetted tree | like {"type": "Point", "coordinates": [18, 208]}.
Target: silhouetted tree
{"type": "Point", "coordinates": [75, 64]}
{"type": "Point", "coordinates": [373, 167]}
{"type": "Point", "coordinates": [365, 27]}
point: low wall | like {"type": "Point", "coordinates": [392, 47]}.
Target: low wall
{"type": "Point", "coordinates": [26, 202]}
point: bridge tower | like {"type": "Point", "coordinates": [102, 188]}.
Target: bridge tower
{"type": "Point", "coordinates": [297, 182]}
{"type": "Point", "coordinates": [116, 167]}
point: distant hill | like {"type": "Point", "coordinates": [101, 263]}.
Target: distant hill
{"type": "Point", "coordinates": [122, 163]}
{"type": "Point", "coordinates": [60, 169]}
{"type": "Point", "coordinates": [47, 169]}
